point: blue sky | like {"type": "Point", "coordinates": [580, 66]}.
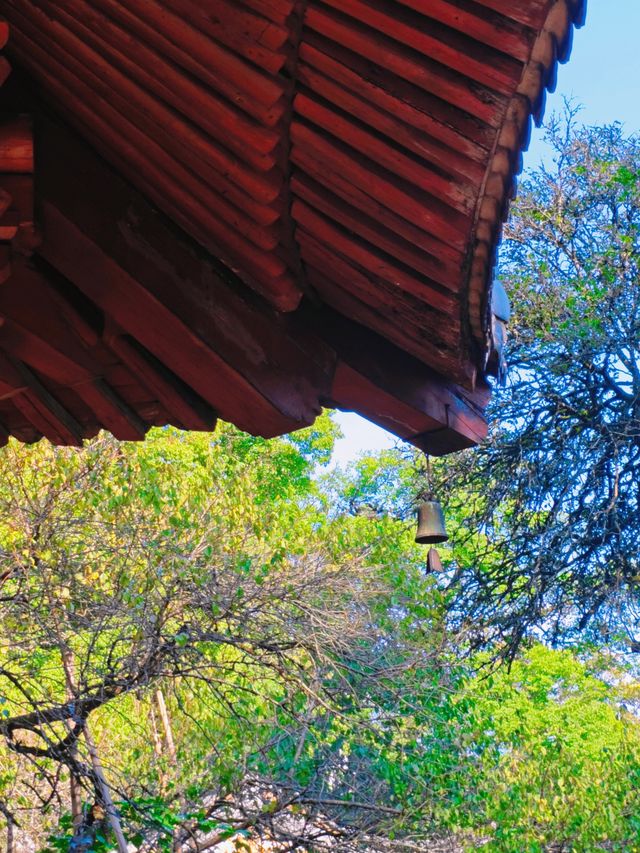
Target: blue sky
{"type": "Point", "coordinates": [603, 75]}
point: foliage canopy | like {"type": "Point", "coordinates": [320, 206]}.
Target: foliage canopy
{"type": "Point", "coordinates": [555, 492]}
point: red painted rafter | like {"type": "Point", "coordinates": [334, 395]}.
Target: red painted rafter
{"type": "Point", "coordinates": [358, 152]}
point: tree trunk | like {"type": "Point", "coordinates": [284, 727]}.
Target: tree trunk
{"type": "Point", "coordinates": [109, 805]}
{"type": "Point", "coordinates": [11, 829]}
{"type": "Point", "coordinates": [168, 741]}
{"type": "Point", "coordinates": [105, 793]}
{"type": "Point", "coordinates": [166, 726]}
{"type": "Point", "coordinates": [75, 790]}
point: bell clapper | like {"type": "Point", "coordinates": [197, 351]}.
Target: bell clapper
{"type": "Point", "coordinates": [434, 563]}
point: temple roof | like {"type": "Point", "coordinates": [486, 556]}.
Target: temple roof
{"type": "Point", "coordinates": [254, 209]}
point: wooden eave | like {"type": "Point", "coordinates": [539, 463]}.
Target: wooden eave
{"type": "Point", "coordinates": [253, 209]}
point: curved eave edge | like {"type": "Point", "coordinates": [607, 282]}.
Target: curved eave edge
{"type": "Point", "coordinates": [552, 47]}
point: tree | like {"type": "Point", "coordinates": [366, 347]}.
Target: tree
{"type": "Point", "coordinates": [548, 511]}
{"type": "Point", "coordinates": [539, 755]}
{"type": "Point", "coordinates": [559, 755]}
{"type": "Point", "coordinates": [198, 647]}
{"type": "Point", "coordinates": [253, 656]}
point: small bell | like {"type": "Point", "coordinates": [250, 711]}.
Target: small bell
{"type": "Point", "coordinates": [431, 529]}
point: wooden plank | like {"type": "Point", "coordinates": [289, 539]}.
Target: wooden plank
{"type": "Point", "coordinates": [5, 201]}
{"type": "Point", "coordinates": [16, 145]}
{"type": "Point", "coordinates": [191, 49]}
{"type": "Point", "coordinates": [371, 230]}
{"type": "Point", "coordinates": [397, 195]}
{"type": "Point", "coordinates": [9, 225]}
{"type": "Point", "coordinates": [531, 13]}
{"type": "Point", "coordinates": [398, 392]}
{"type": "Point", "coordinates": [155, 69]}
{"type": "Point", "coordinates": [111, 411]}
{"type": "Point", "coordinates": [42, 356]}
{"type": "Point", "coordinates": [477, 100]}
{"type": "Point", "coordinates": [381, 86]}
{"type": "Point", "coordinates": [45, 352]}
{"type": "Point", "coordinates": [263, 270]}
{"type": "Point", "coordinates": [83, 327]}
{"type": "Point", "coordinates": [481, 63]}
{"type": "Point", "coordinates": [7, 390]}
{"type": "Point", "coordinates": [5, 70]}
{"type": "Point", "coordinates": [175, 182]}
{"type": "Point", "coordinates": [15, 424]}
{"type": "Point", "coordinates": [20, 187]}
{"type": "Point", "coordinates": [224, 173]}
{"type": "Point", "coordinates": [141, 315]}
{"type": "Point", "coordinates": [27, 408]}
{"type": "Point", "coordinates": [42, 408]}
{"type": "Point", "coordinates": [456, 193]}
{"type": "Point", "coordinates": [29, 306]}
{"type": "Point", "coordinates": [62, 345]}
{"type": "Point", "coordinates": [252, 37]}
{"type": "Point", "coordinates": [338, 183]}
{"type": "Point", "coordinates": [365, 306]}
{"type": "Point", "coordinates": [371, 260]}
{"type": "Point", "coordinates": [436, 334]}
{"type": "Point", "coordinates": [5, 262]}
{"type": "Point", "coordinates": [491, 28]}
{"type": "Point", "coordinates": [353, 392]}
{"type": "Point", "coordinates": [274, 10]}
{"type": "Point", "coordinates": [383, 112]}
{"type": "Point", "coordinates": [190, 411]}
{"type": "Point", "coordinates": [160, 115]}
{"type": "Point", "coordinates": [155, 292]}
{"type": "Point", "coordinates": [272, 355]}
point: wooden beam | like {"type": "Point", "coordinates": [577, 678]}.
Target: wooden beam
{"type": "Point", "coordinates": [5, 435]}
{"type": "Point", "coordinates": [143, 144]}
{"type": "Point", "coordinates": [20, 211]}
{"type": "Point", "coordinates": [449, 88]}
{"type": "Point", "coordinates": [197, 339]}
{"type": "Point", "coordinates": [406, 335]}
{"type": "Point", "coordinates": [485, 65]}
{"type": "Point", "coordinates": [5, 263]}
{"type": "Point", "coordinates": [52, 346]}
{"type": "Point", "coordinates": [111, 411]}
{"type": "Point", "coordinates": [16, 145]}
{"type": "Point", "coordinates": [34, 416]}
{"type": "Point", "coordinates": [38, 405]}
{"type": "Point", "coordinates": [253, 366]}
{"type": "Point", "coordinates": [34, 315]}
{"type": "Point", "coordinates": [5, 70]}
{"type": "Point", "coordinates": [81, 325]}
{"type": "Point", "coordinates": [41, 355]}
{"type": "Point", "coordinates": [148, 320]}
{"type": "Point", "coordinates": [399, 393]}
{"type": "Point", "coordinates": [189, 410]}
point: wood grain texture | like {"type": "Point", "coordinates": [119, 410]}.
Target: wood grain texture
{"type": "Point", "coordinates": [256, 164]}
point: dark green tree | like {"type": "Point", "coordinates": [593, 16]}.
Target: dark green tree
{"type": "Point", "coordinates": [550, 506]}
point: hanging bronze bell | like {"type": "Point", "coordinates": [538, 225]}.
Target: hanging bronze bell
{"type": "Point", "coordinates": [431, 529]}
